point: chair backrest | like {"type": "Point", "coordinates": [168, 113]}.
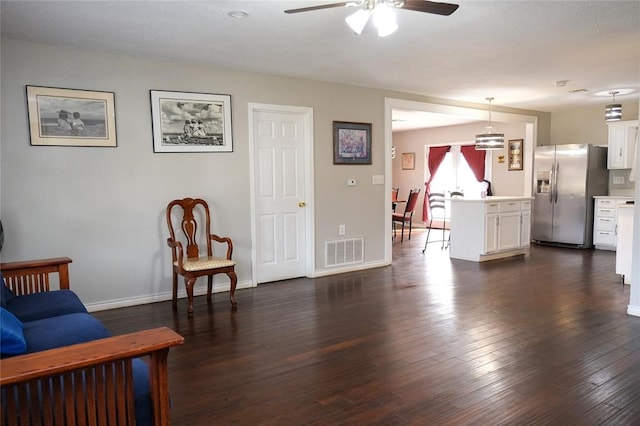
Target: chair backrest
{"type": "Point", "coordinates": [436, 201]}
{"type": "Point", "coordinates": [192, 210]}
{"type": "Point", "coordinates": [394, 194]}
{"type": "Point", "coordinates": [456, 194]}
{"type": "Point", "coordinates": [412, 201]}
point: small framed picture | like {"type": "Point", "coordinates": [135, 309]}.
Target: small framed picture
{"type": "Point", "coordinates": [191, 122]}
{"type": "Point", "coordinates": [351, 143]}
{"type": "Point", "coordinates": [408, 160]}
{"type": "Point", "coordinates": [71, 117]}
{"type": "Point", "coordinates": [515, 154]}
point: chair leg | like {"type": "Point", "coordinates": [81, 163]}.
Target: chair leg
{"type": "Point", "coordinates": [174, 300]}
{"type": "Point", "coordinates": [232, 290]}
{"type": "Point", "coordinates": [189, 284]}
{"type": "Point", "coordinates": [443, 240]}
{"type": "Point", "coordinates": [209, 287]}
{"type": "Point", "coordinates": [410, 226]}
{"type": "Point", "coordinates": [402, 232]}
{"type": "Point", "coordinates": [427, 240]}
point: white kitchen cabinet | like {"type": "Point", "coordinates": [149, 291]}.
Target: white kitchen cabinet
{"type": "Point", "coordinates": [625, 242]}
{"type": "Point", "coordinates": [621, 145]}
{"type": "Point", "coordinates": [605, 221]}
{"type": "Point", "coordinates": [490, 228]}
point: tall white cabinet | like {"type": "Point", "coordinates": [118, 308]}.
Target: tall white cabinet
{"type": "Point", "coordinates": [622, 143]}
{"type": "Point", "coordinates": [490, 228]}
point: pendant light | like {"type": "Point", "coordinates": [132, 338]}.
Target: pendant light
{"type": "Point", "coordinates": [613, 112]}
{"type": "Point", "coordinates": [490, 139]}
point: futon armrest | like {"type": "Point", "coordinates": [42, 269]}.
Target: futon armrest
{"type": "Point", "coordinates": [23, 368]}
{"type": "Point", "coordinates": [32, 276]}
{"type": "Point", "coordinates": [93, 379]}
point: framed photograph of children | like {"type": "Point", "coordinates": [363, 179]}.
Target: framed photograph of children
{"type": "Point", "coordinates": [191, 122]}
{"type": "Point", "coordinates": [351, 143]}
{"type": "Point", "coordinates": [71, 117]}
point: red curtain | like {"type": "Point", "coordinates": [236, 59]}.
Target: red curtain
{"type": "Point", "coordinates": [475, 158]}
{"type": "Point", "coordinates": [434, 159]}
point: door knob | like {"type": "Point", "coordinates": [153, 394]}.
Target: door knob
{"type": "Point", "coordinates": [302, 204]}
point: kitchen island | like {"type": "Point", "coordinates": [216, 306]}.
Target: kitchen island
{"type": "Point", "coordinates": [490, 228]}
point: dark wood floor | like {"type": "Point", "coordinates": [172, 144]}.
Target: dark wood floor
{"type": "Point", "coordinates": [537, 340]}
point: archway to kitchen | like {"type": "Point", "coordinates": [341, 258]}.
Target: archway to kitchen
{"type": "Point", "coordinates": [528, 125]}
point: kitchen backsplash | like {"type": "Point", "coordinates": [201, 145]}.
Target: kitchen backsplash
{"type": "Point", "coordinates": [619, 183]}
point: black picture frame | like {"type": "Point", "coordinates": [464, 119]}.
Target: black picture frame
{"type": "Point", "coordinates": [209, 114]}
{"type": "Point", "coordinates": [351, 143]}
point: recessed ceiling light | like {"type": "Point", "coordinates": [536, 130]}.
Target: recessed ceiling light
{"type": "Point", "coordinates": [561, 83]}
{"type": "Point", "coordinates": [619, 92]}
{"type": "Point", "coordinates": [578, 90]}
{"type": "Point", "coordinates": [238, 14]}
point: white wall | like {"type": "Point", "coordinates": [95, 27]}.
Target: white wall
{"type": "Point", "coordinates": [104, 207]}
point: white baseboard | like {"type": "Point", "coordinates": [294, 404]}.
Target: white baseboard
{"type": "Point", "coordinates": [161, 297]}
{"type": "Point", "coordinates": [633, 310]}
{"type": "Point", "coordinates": [349, 268]}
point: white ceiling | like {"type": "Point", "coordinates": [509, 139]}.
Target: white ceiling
{"type": "Point", "coordinates": [514, 51]}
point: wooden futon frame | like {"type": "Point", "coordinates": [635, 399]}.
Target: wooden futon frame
{"type": "Point", "coordinates": [103, 364]}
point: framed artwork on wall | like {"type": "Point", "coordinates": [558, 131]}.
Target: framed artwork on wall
{"type": "Point", "coordinates": [351, 143]}
{"type": "Point", "coordinates": [191, 122]}
{"type": "Point", "coordinates": [71, 117]}
{"type": "Point", "coordinates": [515, 154]}
{"type": "Point", "coordinates": [408, 160]}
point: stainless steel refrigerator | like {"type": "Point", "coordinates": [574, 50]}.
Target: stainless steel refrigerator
{"type": "Point", "coordinates": [566, 177]}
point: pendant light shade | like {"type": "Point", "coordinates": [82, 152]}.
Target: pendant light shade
{"type": "Point", "coordinates": [613, 112]}
{"type": "Point", "coordinates": [490, 139]}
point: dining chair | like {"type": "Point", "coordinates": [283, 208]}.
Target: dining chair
{"type": "Point", "coordinates": [394, 198]}
{"type": "Point", "coordinates": [187, 259]}
{"type": "Point", "coordinates": [405, 217]}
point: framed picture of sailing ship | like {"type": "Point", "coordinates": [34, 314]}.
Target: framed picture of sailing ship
{"type": "Point", "coordinates": [191, 122]}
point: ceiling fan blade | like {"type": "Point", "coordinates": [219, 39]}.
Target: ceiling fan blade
{"type": "Point", "coordinates": [430, 7]}
{"type": "Point", "coordinates": [318, 7]}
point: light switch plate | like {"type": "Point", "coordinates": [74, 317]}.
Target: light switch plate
{"type": "Point", "coordinates": [377, 180]}
{"type": "Point", "coordinates": [618, 180]}
{"type": "Point", "coordinates": [352, 182]}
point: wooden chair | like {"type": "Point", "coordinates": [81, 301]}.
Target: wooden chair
{"type": "Point", "coordinates": [394, 198]}
{"type": "Point", "coordinates": [410, 207]}
{"type": "Point", "coordinates": [191, 264]}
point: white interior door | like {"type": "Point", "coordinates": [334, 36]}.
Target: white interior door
{"type": "Point", "coordinates": [280, 141]}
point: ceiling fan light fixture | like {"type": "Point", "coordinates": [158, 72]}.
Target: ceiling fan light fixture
{"type": "Point", "coordinates": [490, 139]}
{"type": "Point", "coordinates": [384, 18]}
{"type": "Point", "coordinates": [358, 20]}
{"type": "Point", "coordinates": [613, 112]}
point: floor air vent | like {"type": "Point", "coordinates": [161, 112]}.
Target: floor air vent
{"type": "Point", "coordinates": [343, 252]}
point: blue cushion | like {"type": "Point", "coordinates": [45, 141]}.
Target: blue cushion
{"type": "Point", "coordinates": [12, 341]}
{"type": "Point", "coordinates": [30, 307]}
{"type": "Point", "coordinates": [142, 392]}
{"type": "Point", "coordinates": [62, 330]}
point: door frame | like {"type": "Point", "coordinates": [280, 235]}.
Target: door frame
{"type": "Point", "coordinates": [530, 141]}
{"type": "Point", "coordinates": [307, 114]}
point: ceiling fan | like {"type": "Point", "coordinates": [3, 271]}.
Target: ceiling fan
{"type": "Point", "coordinates": [382, 11]}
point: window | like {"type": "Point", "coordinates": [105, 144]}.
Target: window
{"type": "Point", "coordinates": [454, 174]}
